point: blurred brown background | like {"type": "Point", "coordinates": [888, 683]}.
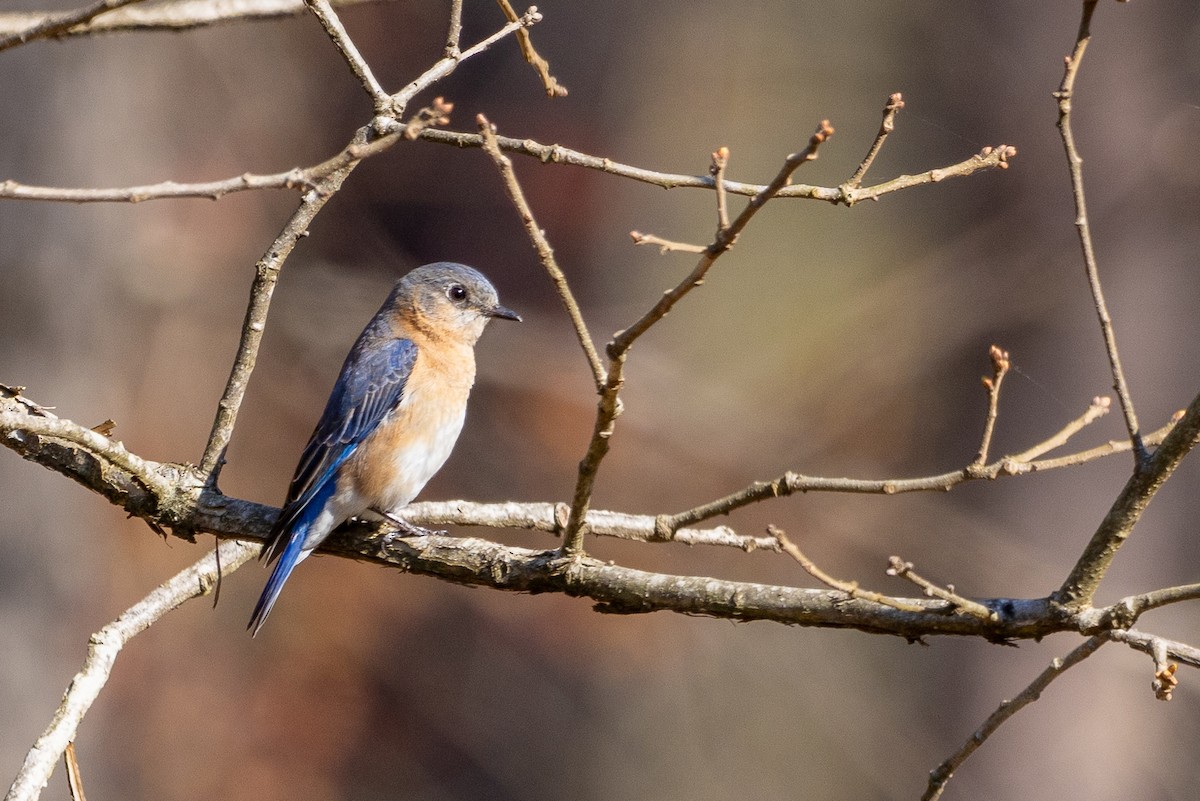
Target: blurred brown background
{"type": "Point", "coordinates": [830, 341]}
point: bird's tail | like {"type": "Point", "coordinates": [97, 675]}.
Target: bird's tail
{"type": "Point", "coordinates": [292, 555]}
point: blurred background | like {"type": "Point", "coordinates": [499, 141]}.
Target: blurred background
{"type": "Point", "coordinates": [830, 341]}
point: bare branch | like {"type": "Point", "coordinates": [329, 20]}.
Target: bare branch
{"type": "Point", "coordinates": [1080, 586]}
{"type": "Point", "coordinates": [1099, 407]}
{"type": "Point", "coordinates": [553, 87]}
{"type": "Point", "coordinates": [303, 178]}
{"type": "Point", "coordinates": [720, 161]}
{"type": "Point", "coordinates": [345, 45]}
{"type": "Point", "coordinates": [723, 242]}
{"type": "Point", "coordinates": [1000, 365]}
{"type": "Point", "coordinates": [894, 104]}
{"type": "Point", "coordinates": [1065, 95]}
{"type": "Point", "coordinates": [940, 775]}
{"type": "Point", "coordinates": [454, 34]}
{"type": "Point", "coordinates": [902, 569]}
{"type": "Point", "coordinates": [54, 24]}
{"type": "Point", "coordinates": [989, 158]}
{"type": "Point", "coordinates": [790, 483]}
{"type": "Point", "coordinates": [851, 588]}
{"type": "Point", "coordinates": [665, 245]}
{"type": "Point", "coordinates": [174, 15]}
{"type": "Point", "coordinates": [103, 648]}
{"type": "Point", "coordinates": [545, 253]}
{"type": "Point", "coordinates": [1152, 645]}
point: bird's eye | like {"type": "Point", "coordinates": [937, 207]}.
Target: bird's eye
{"type": "Point", "coordinates": [456, 292]}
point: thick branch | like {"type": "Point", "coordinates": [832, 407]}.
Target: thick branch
{"type": "Point", "coordinates": [165, 16]}
{"type": "Point", "coordinates": [1080, 586]}
{"type": "Point", "coordinates": [174, 496]}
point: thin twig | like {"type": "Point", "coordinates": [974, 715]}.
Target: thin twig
{"type": "Point", "coordinates": [54, 24]}
{"type": "Point", "coordinates": [1081, 584]}
{"type": "Point", "coordinates": [1100, 406]}
{"type": "Point", "coordinates": [665, 245]}
{"type": "Point", "coordinates": [545, 253]}
{"type": "Point", "coordinates": [902, 569]}
{"type": "Point", "coordinates": [1065, 95]}
{"type": "Point", "coordinates": [1152, 644]}
{"type": "Point", "coordinates": [894, 104]}
{"type": "Point", "coordinates": [345, 45]}
{"type": "Point", "coordinates": [942, 774]}
{"type": "Point", "coordinates": [790, 482]}
{"type": "Point", "coordinates": [454, 33]}
{"type": "Point", "coordinates": [103, 648]}
{"type": "Point", "coordinates": [989, 158]}
{"type": "Point", "coordinates": [724, 240]}
{"type": "Point", "coordinates": [1000, 365]}
{"type": "Point", "coordinates": [851, 588]}
{"type": "Point", "coordinates": [174, 15]}
{"type": "Point", "coordinates": [720, 161]}
{"type": "Point", "coordinates": [551, 84]}
{"type": "Point", "coordinates": [447, 65]}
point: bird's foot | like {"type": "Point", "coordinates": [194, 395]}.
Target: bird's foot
{"type": "Point", "coordinates": [405, 528]}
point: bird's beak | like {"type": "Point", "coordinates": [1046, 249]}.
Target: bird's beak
{"type": "Point", "coordinates": [503, 313]}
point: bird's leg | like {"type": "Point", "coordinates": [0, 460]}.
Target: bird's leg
{"type": "Point", "coordinates": [405, 528]}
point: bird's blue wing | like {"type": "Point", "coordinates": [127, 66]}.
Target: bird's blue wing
{"type": "Point", "coordinates": [371, 384]}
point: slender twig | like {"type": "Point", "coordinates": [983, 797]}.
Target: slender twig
{"type": "Point", "coordinates": [454, 32]}
{"type": "Point", "coordinates": [790, 483]}
{"type": "Point", "coordinates": [851, 588]}
{"type": "Point", "coordinates": [1000, 365]}
{"type": "Point", "coordinates": [1155, 646]}
{"type": "Point", "coordinates": [214, 190]}
{"type": "Point", "coordinates": [1081, 584]}
{"type": "Point", "coordinates": [1100, 406]}
{"type": "Point", "coordinates": [448, 64]}
{"type": "Point", "coordinates": [942, 774]}
{"type": "Point", "coordinates": [724, 240]}
{"type": "Point", "coordinates": [176, 15]}
{"type": "Point", "coordinates": [902, 569]}
{"type": "Point", "coordinates": [345, 45]}
{"type": "Point", "coordinates": [551, 84]}
{"type": "Point", "coordinates": [720, 162]}
{"type": "Point", "coordinates": [894, 104]}
{"type": "Point", "coordinates": [545, 253]}
{"type": "Point", "coordinates": [1065, 95]}
{"type": "Point", "coordinates": [55, 24]}
{"type": "Point", "coordinates": [665, 245]}
{"type": "Point", "coordinates": [103, 648]}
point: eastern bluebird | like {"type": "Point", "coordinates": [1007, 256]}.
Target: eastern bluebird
{"type": "Point", "coordinates": [393, 415]}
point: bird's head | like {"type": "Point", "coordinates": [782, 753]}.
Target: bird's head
{"type": "Point", "coordinates": [448, 299]}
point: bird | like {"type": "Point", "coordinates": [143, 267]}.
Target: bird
{"type": "Point", "coordinates": [392, 418]}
